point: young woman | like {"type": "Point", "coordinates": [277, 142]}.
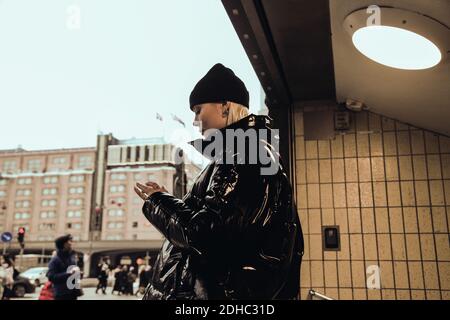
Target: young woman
{"type": "Point", "coordinates": [7, 275]}
{"type": "Point", "coordinates": [236, 233]}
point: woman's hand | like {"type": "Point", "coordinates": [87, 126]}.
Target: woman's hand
{"type": "Point", "coordinates": [145, 191]}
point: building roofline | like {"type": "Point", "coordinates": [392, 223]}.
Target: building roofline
{"type": "Point", "coordinates": [21, 151]}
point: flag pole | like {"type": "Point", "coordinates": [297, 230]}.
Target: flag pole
{"type": "Point", "coordinates": [163, 129]}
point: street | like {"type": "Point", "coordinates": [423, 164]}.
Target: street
{"type": "Point", "coordinates": [89, 294]}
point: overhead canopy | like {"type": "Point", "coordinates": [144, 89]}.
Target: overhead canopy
{"type": "Point", "coordinates": [301, 52]}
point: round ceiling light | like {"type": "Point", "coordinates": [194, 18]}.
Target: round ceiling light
{"type": "Point", "coordinates": [403, 40]}
{"type": "Point", "coordinates": [397, 48]}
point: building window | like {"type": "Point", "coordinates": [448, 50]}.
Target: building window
{"type": "Point", "coordinates": [51, 180]}
{"type": "Point", "coordinates": [78, 178]}
{"type": "Point", "coordinates": [137, 154]}
{"type": "Point", "coordinates": [49, 191]}
{"type": "Point", "coordinates": [85, 162]}
{"type": "Point", "coordinates": [118, 176]}
{"type": "Point", "coordinates": [134, 236]}
{"type": "Point", "coordinates": [147, 153]}
{"type": "Point", "coordinates": [34, 165]}
{"type": "Point", "coordinates": [115, 225]}
{"type": "Point", "coordinates": [48, 203]}
{"type": "Point", "coordinates": [117, 201]}
{"type": "Point", "coordinates": [74, 214]}
{"type": "Point", "coordinates": [22, 204]}
{"type": "Point", "coordinates": [2, 193]}
{"type": "Point", "coordinates": [72, 225]}
{"type": "Point", "coordinates": [21, 215]}
{"type": "Point", "coordinates": [23, 192]}
{"type": "Point", "coordinates": [2, 182]}
{"type": "Point", "coordinates": [9, 165]}
{"type": "Point", "coordinates": [47, 214]}
{"type": "Point", "coordinates": [135, 224]}
{"type": "Point", "coordinates": [76, 190]}
{"type": "Point", "coordinates": [47, 226]}
{"type": "Point", "coordinates": [117, 188]}
{"type": "Point", "coordinates": [59, 160]}
{"type": "Point", "coordinates": [23, 181]}
{"type": "Point", "coordinates": [128, 154]}
{"type": "Point", "coordinates": [75, 202]}
{"type": "Point", "coordinates": [115, 213]}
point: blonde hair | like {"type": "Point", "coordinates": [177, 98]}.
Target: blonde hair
{"type": "Point", "coordinates": [236, 112]}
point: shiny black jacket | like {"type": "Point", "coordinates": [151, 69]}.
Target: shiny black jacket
{"type": "Point", "coordinates": [234, 235]}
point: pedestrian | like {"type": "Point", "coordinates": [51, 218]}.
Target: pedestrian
{"type": "Point", "coordinates": [131, 278]}
{"type": "Point", "coordinates": [102, 271]}
{"type": "Point", "coordinates": [117, 276]}
{"type": "Point", "coordinates": [144, 278]}
{"type": "Point", "coordinates": [63, 272]}
{"type": "Point", "coordinates": [236, 233]}
{"type": "Point", "coordinates": [2, 276]}
{"type": "Point", "coordinates": [8, 278]}
{"type": "Point", "coordinates": [80, 264]}
{"type": "Point", "coordinates": [123, 279]}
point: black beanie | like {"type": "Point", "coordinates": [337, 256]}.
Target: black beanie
{"type": "Point", "coordinates": [59, 242]}
{"type": "Point", "coordinates": [219, 84]}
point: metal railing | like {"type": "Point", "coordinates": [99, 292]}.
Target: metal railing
{"type": "Point", "coordinates": [313, 295]}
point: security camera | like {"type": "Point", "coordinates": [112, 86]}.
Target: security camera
{"type": "Point", "coordinates": [355, 105]}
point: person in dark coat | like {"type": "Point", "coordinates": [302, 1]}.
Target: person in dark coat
{"type": "Point", "coordinates": [117, 282]}
{"type": "Point", "coordinates": [123, 279]}
{"type": "Point", "coordinates": [102, 276]}
{"type": "Point", "coordinates": [80, 263]}
{"type": "Point", "coordinates": [61, 267]}
{"type": "Point", "coordinates": [236, 233]}
{"type": "Point", "coordinates": [130, 279]}
{"type": "Point", "coordinates": [144, 278]}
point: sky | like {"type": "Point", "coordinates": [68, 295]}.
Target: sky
{"type": "Point", "coordinates": [71, 69]}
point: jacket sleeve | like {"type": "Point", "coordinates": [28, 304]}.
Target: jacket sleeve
{"type": "Point", "coordinates": [193, 229]}
{"type": "Point", "coordinates": [55, 274]}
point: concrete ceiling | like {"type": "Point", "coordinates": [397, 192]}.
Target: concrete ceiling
{"type": "Point", "coordinates": [301, 52]}
{"type": "Point", "coordinates": [420, 98]}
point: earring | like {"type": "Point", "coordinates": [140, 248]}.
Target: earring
{"type": "Point", "coordinates": [225, 112]}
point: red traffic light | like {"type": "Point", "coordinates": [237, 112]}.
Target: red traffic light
{"type": "Point", "coordinates": [21, 237]}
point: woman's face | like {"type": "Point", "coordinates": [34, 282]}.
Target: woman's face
{"type": "Point", "coordinates": [209, 116]}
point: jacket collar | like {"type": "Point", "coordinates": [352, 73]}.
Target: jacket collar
{"type": "Point", "coordinates": [251, 121]}
{"type": "Point", "coordinates": [64, 254]}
